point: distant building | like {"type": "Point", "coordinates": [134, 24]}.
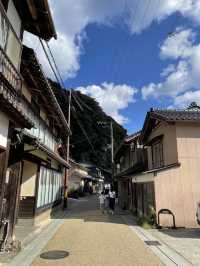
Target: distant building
{"type": "Point", "coordinates": [130, 158]}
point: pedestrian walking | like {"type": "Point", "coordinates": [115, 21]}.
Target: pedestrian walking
{"type": "Point", "coordinates": [106, 194]}
{"type": "Point", "coordinates": [112, 196]}
{"type": "Point", "coordinates": [102, 202]}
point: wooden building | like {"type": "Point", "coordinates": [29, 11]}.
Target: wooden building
{"type": "Point", "coordinates": [171, 181]}
{"type": "Point", "coordinates": [130, 158]}
{"type": "Point", "coordinates": [77, 175]}
{"type": "Point", "coordinates": [43, 146]}
{"type": "Point", "coordinates": [15, 16]}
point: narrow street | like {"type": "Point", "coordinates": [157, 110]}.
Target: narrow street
{"type": "Point", "coordinates": [92, 238]}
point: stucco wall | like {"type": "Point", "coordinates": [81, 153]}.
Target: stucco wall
{"type": "Point", "coordinates": [169, 143]}
{"type": "Point", "coordinates": [188, 141]}
{"type": "Point", "coordinates": [178, 189]}
{"type": "Point", "coordinates": [28, 179]}
{"type": "Point", "coordinates": [4, 124]}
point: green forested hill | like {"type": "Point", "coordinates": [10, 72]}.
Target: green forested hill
{"type": "Point", "coordinates": [89, 142]}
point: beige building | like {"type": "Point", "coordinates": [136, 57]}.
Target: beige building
{"type": "Point", "coordinates": [173, 143]}
{"type": "Point", "coordinates": [171, 181]}
{"type": "Point", "coordinates": [77, 174]}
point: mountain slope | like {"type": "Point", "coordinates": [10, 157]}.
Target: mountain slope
{"type": "Point", "coordinates": [90, 141]}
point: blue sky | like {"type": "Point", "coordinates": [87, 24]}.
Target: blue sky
{"type": "Point", "coordinates": [120, 53]}
{"type": "Point", "coordinates": [112, 54]}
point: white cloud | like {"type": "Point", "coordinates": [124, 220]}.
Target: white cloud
{"type": "Point", "coordinates": [168, 70]}
{"type": "Point", "coordinates": [185, 99]}
{"type": "Point", "coordinates": [112, 98]}
{"type": "Point", "coordinates": [72, 17]}
{"type": "Point", "coordinates": [178, 45]}
{"type": "Point", "coordinates": [181, 79]}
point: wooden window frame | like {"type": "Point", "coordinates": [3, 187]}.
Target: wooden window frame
{"type": "Point", "coordinates": [157, 162]}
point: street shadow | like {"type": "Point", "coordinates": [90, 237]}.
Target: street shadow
{"type": "Point", "coordinates": [193, 233]}
{"type": "Point", "coordinates": [87, 209]}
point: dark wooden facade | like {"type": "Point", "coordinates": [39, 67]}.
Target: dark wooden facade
{"type": "Point", "coordinates": [130, 158]}
{"type": "Point", "coordinates": [11, 164]}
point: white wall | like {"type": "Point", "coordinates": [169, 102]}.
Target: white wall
{"type": "Point", "coordinates": [28, 179]}
{"type": "Point", "coordinates": [13, 48]}
{"type": "Point", "coordinates": [14, 18]}
{"type": "Point", "coordinates": [4, 124]}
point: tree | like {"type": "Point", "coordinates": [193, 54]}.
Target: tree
{"type": "Point", "coordinates": [85, 114]}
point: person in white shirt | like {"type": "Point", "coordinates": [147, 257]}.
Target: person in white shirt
{"type": "Point", "coordinates": [102, 202]}
{"type": "Point", "coordinates": [112, 196]}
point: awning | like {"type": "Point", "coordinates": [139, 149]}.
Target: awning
{"type": "Point", "coordinates": [52, 154]}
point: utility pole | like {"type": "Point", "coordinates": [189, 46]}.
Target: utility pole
{"type": "Point", "coordinates": [68, 145]}
{"type": "Point", "coordinates": [112, 149]}
{"type": "Point", "coordinates": [106, 124]}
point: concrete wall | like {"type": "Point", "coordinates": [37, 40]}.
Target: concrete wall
{"type": "Point", "coordinates": [28, 179]}
{"type": "Point", "coordinates": [4, 124]}
{"type": "Point", "coordinates": [169, 143]}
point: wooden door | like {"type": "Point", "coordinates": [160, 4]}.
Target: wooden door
{"type": "Point", "coordinates": [3, 166]}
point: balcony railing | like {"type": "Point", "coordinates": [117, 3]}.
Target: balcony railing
{"type": "Point", "coordinates": [10, 53]}
{"type": "Point", "coordinates": [9, 74]}
{"type": "Point", "coordinates": [41, 131]}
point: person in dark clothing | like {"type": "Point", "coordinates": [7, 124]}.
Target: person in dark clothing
{"type": "Point", "coordinates": [112, 196]}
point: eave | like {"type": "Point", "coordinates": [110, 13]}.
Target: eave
{"type": "Point", "coordinates": [39, 85]}
{"type": "Point", "coordinates": [36, 18]}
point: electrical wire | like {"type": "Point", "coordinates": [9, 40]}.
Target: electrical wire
{"type": "Point", "coordinates": [55, 64]}
{"type": "Point", "coordinates": [47, 56]}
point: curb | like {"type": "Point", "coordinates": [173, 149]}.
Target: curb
{"type": "Point", "coordinates": [162, 251]}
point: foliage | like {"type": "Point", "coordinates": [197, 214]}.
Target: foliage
{"type": "Point", "coordinates": [149, 221]}
{"type": "Point", "coordinates": [85, 115]}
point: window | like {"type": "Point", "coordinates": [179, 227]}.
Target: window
{"type": "Point", "coordinates": [157, 154]}
{"type": "Point", "coordinates": [50, 187]}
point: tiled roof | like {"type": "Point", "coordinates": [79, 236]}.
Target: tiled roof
{"type": "Point", "coordinates": [132, 136]}
{"type": "Point", "coordinates": [175, 115]}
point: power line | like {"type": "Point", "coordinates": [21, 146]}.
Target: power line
{"type": "Point", "coordinates": [55, 64]}
{"type": "Point", "coordinates": [84, 132]}
{"type": "Point", "coordinates": [75, 98]}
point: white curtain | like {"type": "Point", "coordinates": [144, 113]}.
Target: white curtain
{"type": "Point", "coordinates": [50, 186]}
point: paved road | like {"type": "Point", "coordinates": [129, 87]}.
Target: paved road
{"type": "Point", "coordinates": [92, 238]}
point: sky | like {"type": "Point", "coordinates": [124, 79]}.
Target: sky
{"type": "Point", "coordinates": [130, 55]}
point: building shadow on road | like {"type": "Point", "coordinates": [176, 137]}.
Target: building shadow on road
{"type": "Point", "coordinates": [193, 233]}
{"type": "Point", "coordinates": [87, 209]}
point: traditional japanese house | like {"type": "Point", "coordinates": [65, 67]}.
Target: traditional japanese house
{"type": "Point", "coordinates": [171, 185]}
{"type": "Point", "coordinates": [15, 17]}
{"type": "Point", "coordinates": [130, 158]}
{"type": "Point", "coordinates": [43, 147]}
{"type": "Point", "coordinates": [77, 174]}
